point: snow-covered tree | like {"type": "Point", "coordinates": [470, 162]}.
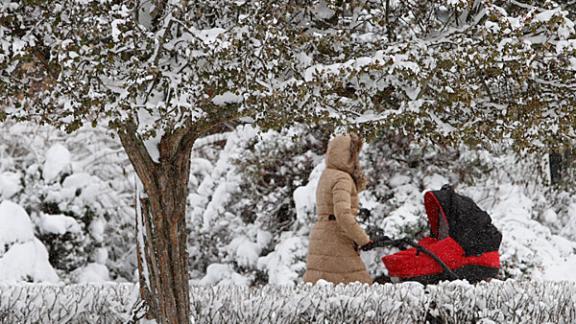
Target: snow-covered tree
{"type": "Point", "coordinates": [163, 73]}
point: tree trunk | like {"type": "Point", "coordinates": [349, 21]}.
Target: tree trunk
{"type": "Point", "coordinates": [561, 164]}
{"type": "Point", "coordinates": [555, 163]}
{"type": "Point", "coordinates": [161, 225]}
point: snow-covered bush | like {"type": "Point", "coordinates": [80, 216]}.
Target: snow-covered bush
{"type": "Point", "coordinates": [77, 191]}
{"type": "Point", "coordinates": [213, 181]}
{"type": "Point", "coordinates": [449, 302]}
{"type": "Point", "coordinates": [273, 167]}
{"type": "Point", "coordinates": [84, 303]}
{"type": "Point", "coordinates": [243, 212]}
{"type": "Point", "coordinates": [22, 256]}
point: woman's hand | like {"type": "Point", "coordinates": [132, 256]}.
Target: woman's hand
{"type": "Point", "coordinates": [368, 246]}
{"type": "Point", "coordinates": [374, 242]}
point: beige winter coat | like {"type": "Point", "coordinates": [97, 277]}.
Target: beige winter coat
{"type": "Point", "coordinates": [332, 252]}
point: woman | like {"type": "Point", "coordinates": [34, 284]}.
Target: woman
{"type": "Point", "coordinates": [335, 238]}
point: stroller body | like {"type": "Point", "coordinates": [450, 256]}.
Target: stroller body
{"type": "Point", "coordinates": [462, 236]}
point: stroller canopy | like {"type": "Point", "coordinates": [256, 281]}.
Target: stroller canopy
{"type": "Point", "coordinates": [453, 215]}
{"type": "Point", "coordinates": [463, 243]}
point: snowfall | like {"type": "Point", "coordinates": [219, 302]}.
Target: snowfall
{"type": "Point", "coordinates": [67, 240]}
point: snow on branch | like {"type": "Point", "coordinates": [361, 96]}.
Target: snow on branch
{"type": "Point", "coordinates": [436, 66]}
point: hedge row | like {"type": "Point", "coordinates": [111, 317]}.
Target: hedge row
{"type": "Point", "coordinates": [454, 302]}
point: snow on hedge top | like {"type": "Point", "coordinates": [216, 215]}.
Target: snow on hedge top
{"type": "Point", "coordinates": [27, 262]}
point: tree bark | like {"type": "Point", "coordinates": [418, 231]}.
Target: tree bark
{"type": "Point", "coordinates": [555, 164]}
{"type": "Point", "coordinates": [161, 222]}
{"type": "Point", "coordinates": [561, 162]}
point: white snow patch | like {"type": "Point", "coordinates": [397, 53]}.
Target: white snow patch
{"type": "Point", "coordinates": [59, 224]}
{"type": "Point", "coordinates": [18, 45]}
{"type": "Point", "coordinates": [115, 31]}
{"type": "Point", "coordinates": [16, 225]}
{"type": "Point", "coordinates": [92, 272]}
{"type": "Point", "coordinates": [227, 98]}
{"type": "Point", "coordinates": [546, 15]}
{"type": "Point", "coordinates": [58, 159]}
{"type": "Point", "coordinates": [218, 273]}
{"type": "Point", "coordinates": [435, 181]}
{"type": "Point", "coordinates": [101, 255]}
{"type": "Point", "coordinates": [146, 122]}
{"type": "Point", "coordinates": [528, 241]}
{"type": "Point", "coordinates": [9, 184]}
{"type": "Point", "coordinates": [208, 36]}
{"type": "Point", "coordinates": [281, 264]}
{"type": "Point", "coordinates": [151, 145]}
{"type": "Point", "coordinates": [97, 228]}
{"type": "Point", "coordinates": [245, 251]}
{"type": "Point", "coordinates": [399, 180]}
{"type": "Point", "coordinates": [322, 11]}
{"type": "Point", "coordinates": [263, 238]}
{"type": "Point", "coordinates": [569, 229]}
{"type": "Point", "coordinates": [79, 180]}
{"type": "Point", "coordinates": [305, 196]}
{"type": "Point", "coordinates": [550, 216]}
{"type": "Point", "coordinates": [27, 261]}
{"type": "Point", "coordinates": [22, 256]}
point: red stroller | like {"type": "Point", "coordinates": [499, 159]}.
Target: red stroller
{"type": "Point", "coordinates": [463, 243]}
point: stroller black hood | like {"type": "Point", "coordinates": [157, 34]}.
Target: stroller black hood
{"type": "Point", "coordinates": [457, 216]}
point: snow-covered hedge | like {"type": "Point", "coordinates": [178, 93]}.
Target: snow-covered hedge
{"type": "Point", "coordinates": [450, 302]}
{"type": "Point", "coordinates": [81, 303]}
{"type": "Point", "coordinates": [456, 302]}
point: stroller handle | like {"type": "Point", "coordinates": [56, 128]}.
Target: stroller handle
{"type": "Point", "coordinates": [384, 242]}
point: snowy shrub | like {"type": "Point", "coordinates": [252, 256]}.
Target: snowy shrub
{"type": "Point", "coordinates": [242, 206]}
{"type": "Point", "coordinates": [67, 244]}
{"type": "Point", "coordinates": [213, 181]}
{"type": "Point", "coordinates": [22, 256]}
{"type": "Point", "coordinates": [504, 302]}
{"type": "Point", "coordinates": [449, 302]}
{"type": "Point", "coordinates": [273, 167]}
{"type": "Point", "coordinates": [77, 191]}
{"type": "Point", "coordinates": [86, 303]}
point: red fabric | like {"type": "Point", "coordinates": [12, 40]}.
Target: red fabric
{"type": "Point", "coordinates": [433, 209]}
{"type": "Point", "coordinates": [408, 263]}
